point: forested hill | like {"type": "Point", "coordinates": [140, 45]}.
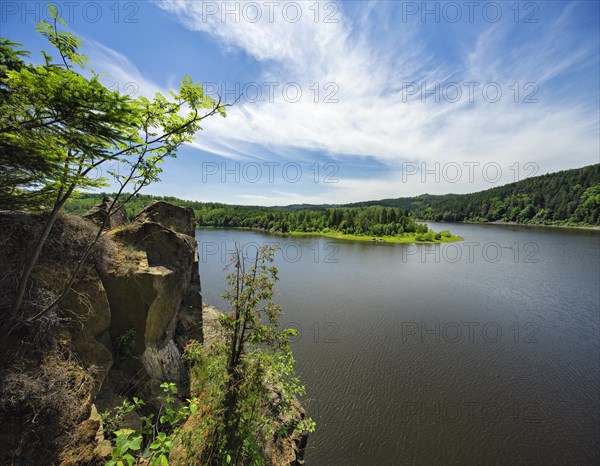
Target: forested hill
{"type": "Point", "coordinates": [569, 197]}
{"type": "Point", "coordinates": [565, 197]}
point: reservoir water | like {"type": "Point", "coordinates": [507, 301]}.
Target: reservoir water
{"type": "Point", "coordinates": [480, 352]}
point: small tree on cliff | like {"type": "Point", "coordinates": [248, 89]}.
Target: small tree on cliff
{"type": "Point", "coordinates": [259, 362]}
{"type": "Point", "coordinates": [58, 128]}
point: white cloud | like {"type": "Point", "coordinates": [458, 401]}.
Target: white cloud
{"type": "Point", "coordinates": [373, 116]}
{"type": "Point", "coordinates": [367, 120]}
{"type": "Point", "coordinates": [117, 71]}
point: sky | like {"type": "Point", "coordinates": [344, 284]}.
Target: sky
{"type": "Point", "coordinates": [337, 102]}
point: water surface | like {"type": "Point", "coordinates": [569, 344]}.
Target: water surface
{"type": "Point", "coordinates": [480, 352]}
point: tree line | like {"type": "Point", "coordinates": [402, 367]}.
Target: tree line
{"type": "Point", "coordinates": [565, 197]}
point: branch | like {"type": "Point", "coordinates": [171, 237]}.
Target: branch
{"type": "Point", "coordinates": [161, 137]}
{"type": "Point", "coordinates": [88, 250]}
{"type": "Point", "coordinates": [250, 295]}
{"type": "Point", "coordinates": [62, 55]}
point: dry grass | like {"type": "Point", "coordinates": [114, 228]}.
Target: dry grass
{"type": "Point", "coordinates": [68, 239]}
{"type": "Point", "coordinates": [56, 388]}
{"type": "Point", "coordinates": [43, 402]}
{"type": "Point", "coordinates": [46, 393]}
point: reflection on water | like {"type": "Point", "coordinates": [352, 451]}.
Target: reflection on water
{"type": "Point", "coordinates": [480, 352]}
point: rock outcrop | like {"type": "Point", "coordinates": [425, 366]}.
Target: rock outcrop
{"type": "Point", "coordinates": [287, 449]}
{"type": "Point", "coordinates": [179, 219]}
{"type": "Point", "coordinates": [140, 276]}
{"type": "Point", "coordinates": [154, 280]}
{"type": "Point", "coordinates": [119, 332]}
{"type": "Point", "coordinates": [89, 312]}
{"type": "Point", "coordinates": [97, 214]}
{"type": "Point", "coordinates": [51, 370]}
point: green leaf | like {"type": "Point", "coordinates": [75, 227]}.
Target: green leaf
{"type": "Point", "coordinates": [155, 445]}
{"type": "Point", "coordinates": [52, 10]}
{"type": "Point", "coordinates": [135, 442]}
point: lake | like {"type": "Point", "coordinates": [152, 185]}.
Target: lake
{"type": "Point", "coordinates": [480, 352]}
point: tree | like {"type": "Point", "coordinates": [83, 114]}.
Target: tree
{"type": "Point", "coordinates": [70, 125]}
{"type": "Point", "coordinates": [254, 317]}
{"type": "Point", "coordinates": [589, 205]}
{"type": "Point", "coordinates": [259, 357]}
{"type": "Point", "coordinates": [19, 166]}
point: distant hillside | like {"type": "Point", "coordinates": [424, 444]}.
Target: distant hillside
{"type": "Point", "coordinates": [565, 197]}
{"type": "Point", "coordinates": [569, 197]}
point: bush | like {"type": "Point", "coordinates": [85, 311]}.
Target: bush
{"type": "Point", "coordinates": [125, 343]}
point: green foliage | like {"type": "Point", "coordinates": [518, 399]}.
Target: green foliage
{"type": "Point", "coordinates": [155, 440]}
{"type": "Point", "coordinates": [372, 221]}
{"type": "Point", "coordinates": [171, 415]}
{"type": "Point", "coordinates": [588, 210]}
{"type": "Point", "coordinates": [112, 419]}
{"type": "Point", "coordinates": [565, 197]}
{"type": "Point", "coordinates": [161, 447]}
{"type": "Point", "coordinates": [254, 317]}
{"type": "Point", "coordinates": [125, 343]}
{"type": "Point", "coordinates": [246, 384]}
{"type": "Point", "coordinates": [58, 127]}
{"type": "Point", "coordinates": [126, 442]}
{"type": "Point", "coordinates": [64, 125]}
{"type": "Point", "coordinates": [65, 42]}
{"type": "Point", "coordinates": [11, 58]}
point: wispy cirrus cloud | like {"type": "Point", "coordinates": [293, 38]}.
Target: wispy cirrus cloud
{"type": "Point", "coordinates": [375, 114]}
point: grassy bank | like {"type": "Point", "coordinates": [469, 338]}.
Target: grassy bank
{"type": "Point", "coordinates": [406, 238]}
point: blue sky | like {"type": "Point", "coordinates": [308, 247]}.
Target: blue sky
{"type": "Point", "coordinates": [357, 100]}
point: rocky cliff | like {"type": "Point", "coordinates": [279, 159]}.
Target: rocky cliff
{"type": "Point", "coordinates": [154, 282]}
{"type": "Point", "coordinates": [141, 282]}
{"type": "Point", "coordinates": [119, 332]}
